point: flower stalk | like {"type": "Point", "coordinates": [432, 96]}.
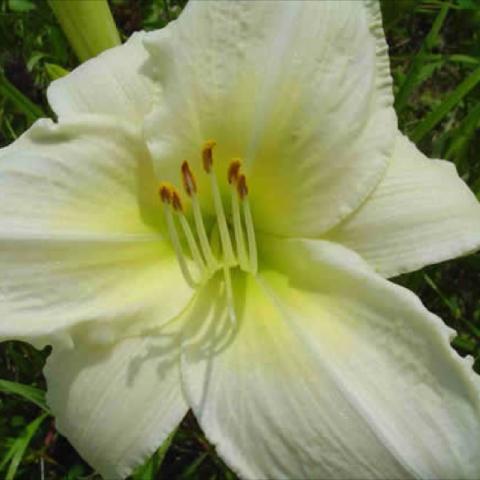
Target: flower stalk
{"type": "Point", "coordinates": [88, 25]}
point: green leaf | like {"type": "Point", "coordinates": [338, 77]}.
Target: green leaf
{"type": "Point", "coordinates": [23, 103]}
{"type": "Point", "coordinates": [34, 395]}
{"type": "Point", "coordinates": [55, 71]}
{"type": "Point", "coordinates": [434, 117]}
{"type": "Point", "coordinates": [190, 470]}
{"type": "Point", "coordinates": [465, 133]}
{"type": "Point", "coordinates": [21, 6]}
{"type": "Point", "coordinates": [149, 470]}
{"type": "Point", "coordinates": [18, 448]}
{"type": "Point", "coordinates": [412, 79]}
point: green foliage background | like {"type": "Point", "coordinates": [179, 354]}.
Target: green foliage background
{"type": "Point", "coordinates": [435, 58]}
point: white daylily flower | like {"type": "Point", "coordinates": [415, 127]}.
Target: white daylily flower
{"type": "Point", "coordinates": [274, 320]}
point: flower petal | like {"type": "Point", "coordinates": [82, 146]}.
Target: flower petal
{"type": "Point", "coordinates": [79, 236]}
{"type": "Point", "coordinates": [421, 213]}
{"type": "Point", "coordinates": [111, 83]}
{"type": "Point", "coordinates": [116, 405]}
{"type": "Point", "coordinates": [300, 90]}
{"type": "Point", "coordinates": [334, 373]}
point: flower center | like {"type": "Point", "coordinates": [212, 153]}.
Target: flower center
{"type": "Point", "coordinates": [195, 252]}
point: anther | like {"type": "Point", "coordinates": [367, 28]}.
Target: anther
{"type": "Point", "coordinates": [207, 155]}
{"type": "Point", "coordinates": [176, 202]}
{"type": "Point", "coordinates": [188, 179]}
{"type": "Point", "coordinates": [165, 193]}
{"type": "Point", "coordinates": [234, 171]}
{"type": "Point", "coordinates": [242, 187]}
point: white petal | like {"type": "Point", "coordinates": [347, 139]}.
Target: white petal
{"type": "Point", "coordinates": [335, 373]}
{"type": "Point", "coordinates": [421, 213]}
{"type": "Point", "coordinates": [111, 83]}
{"type": "Point", "coordinates": [79, 236]}
{"type": "Point", "coordinates": [300, 90]}
{"type": "Point", "coordinates": [116, 405]}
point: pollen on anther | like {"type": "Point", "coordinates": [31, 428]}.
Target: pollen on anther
{"type": "Point", "coordinates": [207, 155]}
{"type": "Point", "coordinates": [165, 192]}
{"type": "Point", "coordinates": [242, 187]}
{"type": "Point", "coordinates": [234, 171]}
{"type": "Point", "coordinates": [176, 202]}
{"type": "Point", "coordinates": [189, 183]}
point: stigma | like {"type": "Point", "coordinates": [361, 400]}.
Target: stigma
{"type": "Point", "coordinates": [198, 255]}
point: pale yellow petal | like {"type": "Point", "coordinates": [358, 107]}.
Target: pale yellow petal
{"type": "Point", "coordinates": [333, 373]}
{"type": "Point", "coordinates": [116, 405]}
{"type": "Point", "coordinates": [81, 249]}
{"type": "Point", "coordinates": [300, 90]}
{"type": "Point", "coordinates": [111, 83]}
{"type": "Point", "coordinates": [421, 213]}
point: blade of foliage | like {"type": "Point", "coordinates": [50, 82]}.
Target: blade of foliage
{"type": "Point", "coordinates": [34, 395]}
{"type": "Point", "coordinates": [464, 135]}
{"type": "Point", "coordinates": [23, 103]}
{"type": "Point", "coordinates": [20, 444]}
{"type": "Point", "coordinates": [55, 71]}
{"type": "Point", "coordinates": [434, 117]}
{"type": "Point", "coordinates": [191, 469]}
{"type": "Point", "coordinates": [149, 470]}
{"type": "Point", "coordinates": [412, 77]}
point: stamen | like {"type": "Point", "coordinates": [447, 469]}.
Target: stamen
{"type": "Point", "coordinates": [192, 244]}
{"type": "Point", "coordinates": [176, 202]}
{"type": "Point", "coordinates": [227, 248]}
{"type": "Point", "coordinates": [229, 294]}
{"type": "Point", "coordinates": [191, 189]}
{"type": "Point", "coordinates": [188, 179]}
{"type": "Point", "coordinates": [233, 175]}
{"type": "Point", "coordinates": [242, 190]}
{"type": "Point", "coordinates": [165, 192]}
{"type": "Point", "coordinates": [234, 171]}
{"type": "Point", "coordinates": [167, 196]}
{"type": "Point", "coordinates": [207, 155]}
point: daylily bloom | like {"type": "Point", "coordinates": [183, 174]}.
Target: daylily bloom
{"type": "Point", "coordinates": [211, 225]}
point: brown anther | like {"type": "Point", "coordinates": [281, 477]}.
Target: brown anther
{"type": "Point", "coordinates": [189, 183]}
{"type": "Point", "coordinates": [165, 193]}
{"type": "Point", "coordinates": [207, 155]}
{"type": "Point", "coordinates": [242, 187]}
{"type": "Point", "coordinates": [176, 202]}
{"type": "Point", "coordinates": [234, 171]}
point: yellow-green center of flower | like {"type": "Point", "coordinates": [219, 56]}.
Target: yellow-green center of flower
{"type": "Point", "coordinates": [193, 247]}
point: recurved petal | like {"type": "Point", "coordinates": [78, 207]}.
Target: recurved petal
{"type": "Point", "coordinates": [300, 90]}
{"type": "Point", "coordinates": [80, 248]}
{"type": "Point", "coordinates": [116, 405]}
{"type": "Point", "coordinates": [111, 83]}
{"type": "Point", "coordinates": [334, 373]}
{"type": "Point", "coordinates": [421, 213]}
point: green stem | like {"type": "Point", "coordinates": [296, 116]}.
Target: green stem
{"type": "Point", "coordinates": [88, 25]}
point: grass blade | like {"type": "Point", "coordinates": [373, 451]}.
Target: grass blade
{"type": "Point", "coordinates": [34, 395]}
{"type": "Point", "coordinates": [434, 117]}
{"type": "Point", "coordinates": [465, 133]}
{"type": "Point", "coordinates": [413, 73]}
{"type": "Point", "coordinates": [23, 103]}
{"type": "Point", "coordinates": [20, 445]}
{"type": "Point", "coordinates": [149, 470]}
